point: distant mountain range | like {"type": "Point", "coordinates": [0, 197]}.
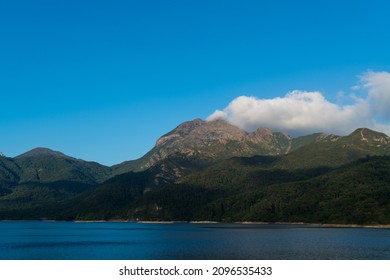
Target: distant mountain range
{"type": "Point", "coordinates": [210, 171]}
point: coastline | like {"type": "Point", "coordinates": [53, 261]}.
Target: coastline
{"type": "Point", "coordinates": [326, 225]}
{"type": "Point", "coordinates": [354, 226]}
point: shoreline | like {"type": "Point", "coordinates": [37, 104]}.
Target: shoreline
{"type": "Point", "coordinates": [327, 225]}
{"type": "Point", "coordinates": [354, 226]}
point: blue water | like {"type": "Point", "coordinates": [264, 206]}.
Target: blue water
{"type": "Point", "coordinates": [119, 241]}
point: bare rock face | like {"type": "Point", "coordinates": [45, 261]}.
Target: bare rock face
{"type": "Point", "coordinates": [199, 133]}
{"type": "Point", "coordinates": [199, 139]}
{"type": "Point", "coordinates": [261, 135]}
{"type": "Point", "coordinates": [180, 132]}
{"type": "Point", "coordinates": [273, 143]}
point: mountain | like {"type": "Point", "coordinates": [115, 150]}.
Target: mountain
{"type": "Point", "coordinates": [207, 142]}
{"type": "Point", "coordinates": [334, 150]}
{"type": "Point", "coordinates": [42, 152]}
{"type": "Point", "coordinates": [283, 187]}
{"type": "Point", "coordinates": [43, 165]}
{"type": "Point", "coordinates": [210, 171]}
{"type": "Point", "coordinates": [43, 176]}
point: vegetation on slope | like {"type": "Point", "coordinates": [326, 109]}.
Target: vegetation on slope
{"type": "Point", "coordinates": [323, 179]}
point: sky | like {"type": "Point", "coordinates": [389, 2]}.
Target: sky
{"type": "Point", "coordinates": [103, 80]}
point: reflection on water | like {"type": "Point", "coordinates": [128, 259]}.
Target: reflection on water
{"type": "Point", "coordinates": [110, 240]}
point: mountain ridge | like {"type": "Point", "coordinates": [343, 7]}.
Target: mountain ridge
{"type": "Point", "coordinates": [41, 151]}
{"type": "Point", "coordinates": [202, 170]}
{"type": "Point", "coordinates": [215, 140]}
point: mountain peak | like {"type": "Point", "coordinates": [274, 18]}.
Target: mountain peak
{"type": "Point", "coordinates": [42, 152]}
{"type": "Point", "coordinates": [368, 135]}
{"type": "Point", "coordinates": [212, 140]}
{"type": "Point", "coordinates": [366, 130]}
{"type": "Point", "coordinates": [198, 131]}
{"type": "Point", "coordinates": [185, 128]}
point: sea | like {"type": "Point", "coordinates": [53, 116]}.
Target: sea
{"type": "Point", "coordinates": [37, 240]}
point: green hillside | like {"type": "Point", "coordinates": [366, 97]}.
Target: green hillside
{"type": "Point", "coordinates": [207, 171]}
{"type": "Point", "coordinates": [42, 177]}
{"type": "Point", "coordinates": [9, 172]}
{"type": "Point", "coordinates": [356, 193]}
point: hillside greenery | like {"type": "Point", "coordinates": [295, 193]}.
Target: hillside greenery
{"type": "Point", "coordinates": [250, 190]}
{"type": "Point", "coordinates": [322, 179]}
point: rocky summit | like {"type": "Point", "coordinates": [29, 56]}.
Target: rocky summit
{"type": "Point", "coordinates": [210, 141]}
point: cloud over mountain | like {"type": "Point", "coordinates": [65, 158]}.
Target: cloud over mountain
{"type": "Point", "coordinates": [300, 112]}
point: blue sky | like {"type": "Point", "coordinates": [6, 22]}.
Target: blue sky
{"type": "Point", "coordinates": [102, 80]}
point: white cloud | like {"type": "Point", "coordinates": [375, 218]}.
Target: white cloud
{"type": "Point", "coordinates": [301, 112]}
{"type": "Point", "coordinates": [378, 86]}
